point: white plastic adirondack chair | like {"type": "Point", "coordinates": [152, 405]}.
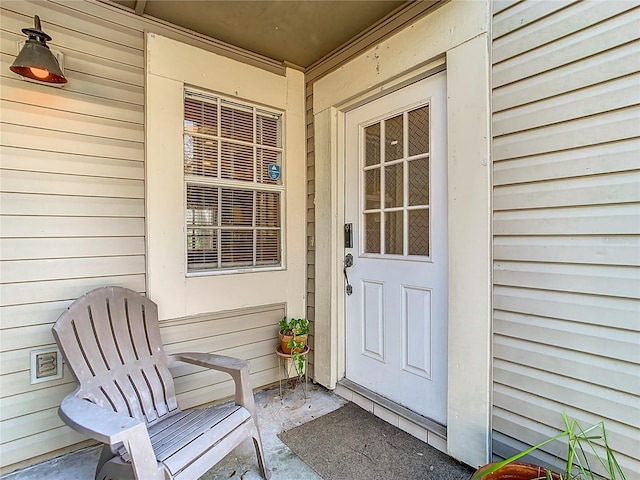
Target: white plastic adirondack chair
{"type": "Point", "coordinates": [125, 399]}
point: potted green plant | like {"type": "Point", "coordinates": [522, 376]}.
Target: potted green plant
{"type": "Point", "coordinates": [294, 333]}
{"type": "Point", "coordinates": [579, 442]}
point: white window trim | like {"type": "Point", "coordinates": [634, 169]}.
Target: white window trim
{"type": "Point", "coordinates": [170, 66]}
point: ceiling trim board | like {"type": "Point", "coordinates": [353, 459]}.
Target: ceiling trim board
{"type": "Point", "coordinates": [387, 26]}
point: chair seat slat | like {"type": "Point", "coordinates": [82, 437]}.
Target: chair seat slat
{"type": "Point", "coordinates": [172, 434]}
{"type": "Point", "coordinates": [207, 440]}
{"type": "Point", "coordinates": [191, 428]}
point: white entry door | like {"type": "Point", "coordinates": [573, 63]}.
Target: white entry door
{"type": "Point", "coordinates": [396, 209]}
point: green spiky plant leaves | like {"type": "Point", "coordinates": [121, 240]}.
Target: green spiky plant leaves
{"type": "Point", "coordinates": [580, 442]}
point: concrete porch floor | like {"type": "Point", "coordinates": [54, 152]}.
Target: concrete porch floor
{"type": "Point", "coordinates": [275, 415]}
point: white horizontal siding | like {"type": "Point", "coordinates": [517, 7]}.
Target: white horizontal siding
{"type": "Point", "coordinates": [31, 314]}
{"type": "Point", "coordinates": [14, 294]}
{"type": "Point", "coordinates": [33, 226]}
{"type": "Point", "coordinates": [590, 40]}
{"type": "Point", "coordinates": [17, 271]}
{"type": "Point", "coordinates": [78, 102]}
{"type": "Point", "coordinates": [518, 14]}
{"type": "Point", "coordinates": [604, 189]}
{"type": "Point", "coordinates": [45, 118]}
{"type": "Point", "coordinates": [614, 63]}
{"type": "Point", "coordinates": [604, 97]}
{"type": "Point", "coordinates": [250, 333]}
{"type": "Point", "coordinates": [614, 280]}
{"type": "Point", "coordinates": [566, 171]}
{"type": "Point", "coordinates": [52, 162]}
{"type": "Point", "coordinates": [594, 250]}
{"type": "Point", "coordinates": [70, 205]}
{"type": "Point", "coordinates": [17, 428]}
{"type": "Point", "coordinates": [78, 185]}
{"type": "Point", "coordinates": [41, 248]}
{"type": "Point", "coordinates": [599, 340]}
{"type": "Point", "coordinates": [547, 22]}
{"type": "Point", "coordinates": [70, 143]}
{"type": "Point", "coordinates": [39, 444]}
{"type": "Point", "coordinates": [563, 390]}
{"type": "Point", "coordinates": [27, 403]}
{"type": "Point", "coordinates": [618, 219]}
{"type": "Point", "coordinates": [547, 415]}
{"type": "Point", "coordinates": [592, 160]}
{"type": "Point", "coordinates": [585, 131]}
{"type": "Point", "coordinates": [72, 202]}
{"type": "Point", "coordinates": [100, 39]}
{"type": "Point", "coordinates": [581, 309]}
{"type": "Point", "coordinates": [602, 371]}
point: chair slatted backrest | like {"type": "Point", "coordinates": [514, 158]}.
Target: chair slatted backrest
{"type": "Point", "coordinates": [111, 342]}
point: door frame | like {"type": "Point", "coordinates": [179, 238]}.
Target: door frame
{"type": "Point", "coordinates": [469, 218]}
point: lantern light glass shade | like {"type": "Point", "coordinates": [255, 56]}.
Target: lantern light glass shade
{"type": "Point", "coordinates": [35, 60]}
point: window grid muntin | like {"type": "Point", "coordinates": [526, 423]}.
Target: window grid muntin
{"type": "Point", "coordinates": [382, 163]}
{"type": "Point", "coordinates": [270, 147]}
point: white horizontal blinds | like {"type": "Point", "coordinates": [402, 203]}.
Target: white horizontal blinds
{"type": "Point", "coordinates": [202, 217]}
{"type": "Point", "coordinates": [233, 203]}
{"type": "Point", "coordinates": [268, 221]}
{"type": "Point", "coordinates": [200, 137]}
{"type": "Point", "coordinates": [396, 179]}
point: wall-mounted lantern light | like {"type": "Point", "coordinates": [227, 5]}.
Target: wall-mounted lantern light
{"type": "Point", "coordinates": [35, 60]}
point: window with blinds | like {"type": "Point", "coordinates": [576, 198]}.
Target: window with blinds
{"type": "Point", "coordinates": [232, 160]}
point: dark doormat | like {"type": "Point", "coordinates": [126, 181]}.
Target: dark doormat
{"type": "Point", "coordinates": [353, 444]}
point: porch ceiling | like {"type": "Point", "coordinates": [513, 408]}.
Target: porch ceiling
{"type": "Point", "coordinates": [300, 32]}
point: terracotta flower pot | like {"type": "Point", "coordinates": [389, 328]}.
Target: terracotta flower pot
{"type": "Point", "coordinates": [517, 471]}
{"type": "Point", "coordinates": [284, 342]}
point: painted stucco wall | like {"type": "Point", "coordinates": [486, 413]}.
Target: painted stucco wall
{"type": "Point", "coordinates": [170, 66]}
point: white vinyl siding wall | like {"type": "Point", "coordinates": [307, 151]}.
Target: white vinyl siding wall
{"type": "Point", "coordinates": [72, 202]}
{"type": "Point", "coordinates": [72, 217]}
{"type": "Point", "coordinates": [566, 175]}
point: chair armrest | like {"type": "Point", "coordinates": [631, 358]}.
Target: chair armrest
{"type": "Point", "coordinates": [236, 367]}
{"type": "Point", "coordinates": [113, 428]}
{"type": "Point", "coordinates": [222, 363]}
{"type": "Point", "coordinates": [95, 422]}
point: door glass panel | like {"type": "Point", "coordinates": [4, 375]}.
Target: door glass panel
{"type": "Point", "coordinates": [394, 138]}
{"type": "Point", "coordinates": [419, 181]}
{"type": "Point", "coordinates": [372, 189]}
{"type": "Point", "coordinates": [372, 233]}
{"type": "Point", "coordinates": [396, 185]}
{"type": "Point", "coordinates": [419, 232]}
{"type": "Point", "coordinates": [393, 186]}
{"type": "Point", "coordinates": [372, 145]}
{"type": "Point", "coordinates": [419, 131]}
{"type": "Point", "coordinates": [393, 233]}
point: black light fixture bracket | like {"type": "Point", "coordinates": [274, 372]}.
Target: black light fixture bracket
{"type": "Point", "coordinates": [35, 60]}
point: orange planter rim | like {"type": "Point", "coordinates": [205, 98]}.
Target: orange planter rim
{"type": "Point", "coordinates": [518, 471]}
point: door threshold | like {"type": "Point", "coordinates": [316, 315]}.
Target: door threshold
{"type": "Point", "coordinates": [436, 433]}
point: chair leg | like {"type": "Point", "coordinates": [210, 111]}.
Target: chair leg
{"type": "Point", "coordinates": [106, 455]}
{"type": "Point", "coordinates": [262, 464]}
